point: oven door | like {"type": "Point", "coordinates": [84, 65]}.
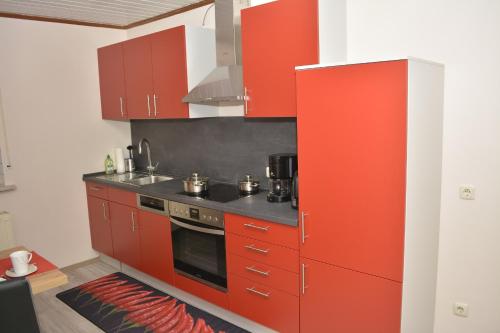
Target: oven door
{"type": "Point", "coordinates": [199, 252]}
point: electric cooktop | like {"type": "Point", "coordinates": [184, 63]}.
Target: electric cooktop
{"type": "Point", "coordinates": [218, 192]}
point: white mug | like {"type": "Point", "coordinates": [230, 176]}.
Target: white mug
{"type": "Point", "coordinates": [20, 261]}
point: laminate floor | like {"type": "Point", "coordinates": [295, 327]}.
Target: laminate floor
{"type": "Point", "coordinates": [56, 317]}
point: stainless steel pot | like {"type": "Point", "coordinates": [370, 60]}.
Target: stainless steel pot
{"type": "Point", "coordinates": [248, 185]}
{"type": "Point", "coordinates": [195, 184]}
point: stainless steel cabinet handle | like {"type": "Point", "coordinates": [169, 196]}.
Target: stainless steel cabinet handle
{"type": "Point", "coordinates": [253, 269]}
{"type": "Point", "coordinates": [104, 211]}
{"type": "Point", "coordinates": [133, 222]}
{"type": "Point", "coordinates": [95, 188]}
{"type": "Point", "coordinates": [256, 249]}
{"type": "Point", "coordinates": [251, 225]}
{"type": "Point", "coordinates": [255, 291]}
{"type": "Point", "coordinates": [149, 107]}
{"type": "Point", "coordinates": [121, 106]}
{"type": "Point", "coordinates": [154, 103]}
{"type": "Point", "coordinates": [246, 101]}
{"type": "Point", "coordinates": [303, 227]}
{"type": "Point", "coordinates": [303, 273]}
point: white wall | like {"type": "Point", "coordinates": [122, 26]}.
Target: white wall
{"type": "Point", "coordinates": [463, 35]}
{"type": "Point", "coordinates": [193, 17]}
{"type": "Point", "coordinates": [50, 93]}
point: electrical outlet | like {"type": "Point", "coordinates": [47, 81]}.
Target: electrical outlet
{"type": "Point", "coordinates": [461, 309]}
{"type": "Point", "coordinates": [467, 192]}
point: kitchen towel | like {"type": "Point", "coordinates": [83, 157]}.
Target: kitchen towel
{"type": "Point", "coordinates": [119, 160]}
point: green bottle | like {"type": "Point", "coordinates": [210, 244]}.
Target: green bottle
{"type": "Point", "coordinates": [109, 168]}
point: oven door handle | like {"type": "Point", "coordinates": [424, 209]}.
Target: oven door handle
{"type": "Point", "coordinates": [195, 228]}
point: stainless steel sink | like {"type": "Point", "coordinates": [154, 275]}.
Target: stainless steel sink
{"type": "Point", "coordinates": [147, 180]}
{"type": "Point", "coordinates": [135, 178]}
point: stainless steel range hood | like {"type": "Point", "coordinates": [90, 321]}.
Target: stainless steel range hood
{"type": "Point", "coordinates": [224, 85]}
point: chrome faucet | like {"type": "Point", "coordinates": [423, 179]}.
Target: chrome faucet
{"type": "Point", "coordinates": [151, 169]}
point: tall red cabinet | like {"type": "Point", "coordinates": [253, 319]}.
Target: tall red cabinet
{"type": "Point", "coordinates": [369, 149]}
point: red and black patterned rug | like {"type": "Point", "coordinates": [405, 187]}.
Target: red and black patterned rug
{"type": "Point", "coordinates": [118, 303]}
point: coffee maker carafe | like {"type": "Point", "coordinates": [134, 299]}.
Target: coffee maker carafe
{"type": "Point", "coordinates": [282, 167]}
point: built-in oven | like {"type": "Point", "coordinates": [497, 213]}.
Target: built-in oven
{"type": "Point", "coordinates": [198, 244]}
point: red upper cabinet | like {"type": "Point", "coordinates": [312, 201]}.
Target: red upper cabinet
{"type": "Point", "coordinates": [100, 225]}
{"type": "Point", "coordinates": [139, 77]}
{"type": "Point", "coordinates": [351, 124]}
{"type": "Point", "coordinates": [112, 82]}
{"type": "Point", "coordinates": [276, 37]}
{"type": "Point", "coordinates": [340, 300]}
{"type": "Point", "coordinates": [169, 73]}
{"type": "Point", "coordinates": [126, 240]}
{"type": "Point", "coordinates": [156, 246]}
{"type": "Point", "coordinates": [156, 75]}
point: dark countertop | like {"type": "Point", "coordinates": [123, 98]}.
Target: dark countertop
{"type": "Point", "coordinates": [255, 206]}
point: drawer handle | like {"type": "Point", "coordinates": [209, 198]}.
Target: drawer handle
{"type": "Point", "coordinates": [260, 293]}
{"type": "Point", "coordinates": [255, 270]}
{"type": "Point", "coordinates": [95, 188]}
{"type": "Point", "coordinates": [256, 249]}
{"type": "Point", "coordinates": [104, 211]}
{"type": "Point", "coordinates": [251, 225]}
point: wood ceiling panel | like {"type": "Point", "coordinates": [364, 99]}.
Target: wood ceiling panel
{"type": "Point", "coordinates": [114, 13]}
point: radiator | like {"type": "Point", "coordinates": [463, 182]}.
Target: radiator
{"type": "Point", "coordinates": [6, 233]}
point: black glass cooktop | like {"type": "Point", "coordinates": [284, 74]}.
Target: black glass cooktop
{"type": "Point", "coordinates": [219, 192]}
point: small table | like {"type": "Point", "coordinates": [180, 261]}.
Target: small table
{"type": "Point", "coordinates": [41, 281]}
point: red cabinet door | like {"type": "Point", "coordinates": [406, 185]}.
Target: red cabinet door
{"type": "Point", "coordinates": [125, 231]}
{"type": "Point", "coordinates": [169, 73]}
{"type": "Point", "coordinates": [276, 37]}
{"type": "Point", "coordinates": [341, 300]}
{"type": "Point", "coordinates": [156, 246]}
{"type": "Point", "coordinates": [112, 82]}
{"type": "Point", "coordinates": [351, 127]}
{"type": "Point", "coordinates": [100, 225]}
{"type": "Point", "coordinates": [138, 77]}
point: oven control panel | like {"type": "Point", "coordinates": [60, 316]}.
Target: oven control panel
{"type": "Point", "coordinates": [201, 215]}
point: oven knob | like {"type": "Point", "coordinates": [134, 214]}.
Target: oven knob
{"type": "Point", "coordinates": [203, 217]}
{"type": "Point", "coordinates": [216, 219]}
{"type": "Point", "coordinates": [209, 218]}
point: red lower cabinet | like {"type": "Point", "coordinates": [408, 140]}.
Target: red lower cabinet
{"type": "Point", "coordinates": [340, 300]}
{"type": "Point", "coordinates": [201, 290]}
{"type": "Point", "coordinates": [156, 246]}
{"type": "Point", "coordinates": [126, 240]}
{"type": "Point", "coordinates": [100, 225]}
{"type": "Point", "coordinates": [268, 306]}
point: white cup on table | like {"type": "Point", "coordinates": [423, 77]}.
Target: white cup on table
{"type": "Point", "coordinates": [20, 261]}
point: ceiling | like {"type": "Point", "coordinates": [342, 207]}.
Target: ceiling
{"type": "Point", "coordinates": [113, 13]}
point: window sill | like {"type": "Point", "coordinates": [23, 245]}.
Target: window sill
{"type": "Point", "coordinates": [5, 188]}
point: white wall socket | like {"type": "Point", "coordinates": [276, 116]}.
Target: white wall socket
{"type": "Point", "coordinates": [467, 192]}
{"type": "Point", "coordinates": [461, 309]}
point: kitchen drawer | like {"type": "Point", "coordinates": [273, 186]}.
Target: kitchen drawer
{"type": "Point", "coordinates": [270, 307]}
{"type": "Point", "coordinates": [263, 230]}
{"type": "Point", "coordinates": [123, 197]}
{"type": "Point", "coordinates": [263, 252]}
{"type": "Point", "coordinates": [97, 190]}
{"type": "Point", "coordinates": [267, 275]}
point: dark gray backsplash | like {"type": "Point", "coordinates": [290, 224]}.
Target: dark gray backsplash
{"type": "Point", "coordinates": [224, 149]}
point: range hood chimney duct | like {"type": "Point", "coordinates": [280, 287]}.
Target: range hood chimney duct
{"type": "Point", "coordinates": [224, 85]}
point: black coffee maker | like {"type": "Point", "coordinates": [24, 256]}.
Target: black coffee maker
{"type": "Point", "coordinates": [282, 168]}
